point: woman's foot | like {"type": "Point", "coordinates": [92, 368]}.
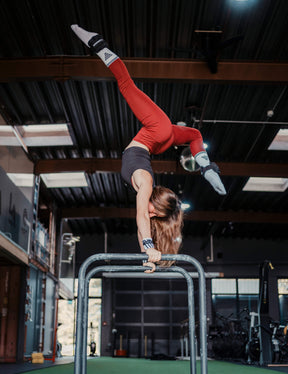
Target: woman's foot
{"type": "Point", "coordinates": [82, 34]}
{"type": "Point", "coordinates": [92, 39]}
{"type": "Point", "coordinates": [211, 174]}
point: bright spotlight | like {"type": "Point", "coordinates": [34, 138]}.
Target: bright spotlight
{"type": "Point", "coordinates": [185, 206]}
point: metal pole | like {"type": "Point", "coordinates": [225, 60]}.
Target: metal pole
{"type": "Point", "coordinates": [191, 313]}
{"type": "Point", "coordinates": [140, 257]}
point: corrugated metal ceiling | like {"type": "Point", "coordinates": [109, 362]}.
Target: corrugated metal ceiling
{"type": "Point", "coordinates": [102, 124]}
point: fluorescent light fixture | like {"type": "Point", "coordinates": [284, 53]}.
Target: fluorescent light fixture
{"type": "Point", "coordinates": [7, 136]}
{"type": "Point", "coordinates": [266, 184]}
{"type": "Point", "coordinates": [22, 179]}
{"type": "Point", "coordinates": [36, 135]}
{"type": "Point", "coordinates": [280, 142]}
{"type": "Point", "coordinates": [62, 180]}
{"type": "Point", "coordinates": [46, 135]}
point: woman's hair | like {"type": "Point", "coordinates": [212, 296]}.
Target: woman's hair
{"type": "Point", "coordinates": [166, 229]}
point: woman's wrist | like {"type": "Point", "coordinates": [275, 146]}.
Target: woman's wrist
{"type": "Point", "coordinates": [147, 243]}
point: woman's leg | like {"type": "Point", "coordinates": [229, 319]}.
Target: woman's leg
{"type": "Point", "coordinates": [183, 135]}
{"type": "Point", "coordinates": [156, 132]}
{"type": "Point", "coordinates": [157, 127]}
{"type": "Point", "coordinates": [209, 170]}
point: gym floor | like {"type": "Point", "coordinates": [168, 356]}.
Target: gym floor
{"type": "Point", "coordinates": [109, 365]}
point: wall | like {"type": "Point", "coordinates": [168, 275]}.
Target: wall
{"type": "Point", "coordinates": [15, 212]}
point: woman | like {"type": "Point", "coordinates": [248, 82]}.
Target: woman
{"type": "Point", "coordinates": [158, 212]}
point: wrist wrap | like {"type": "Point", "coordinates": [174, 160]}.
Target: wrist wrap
{"type": "Point", "coordinates": [147, 243]}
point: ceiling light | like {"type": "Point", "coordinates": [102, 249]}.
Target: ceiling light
{"type": "Point", "coordinates": [7, 136]}
{"type": "Point", "coordinates": [188, 161]}
{"type": "Point", "coordinates": [280, 142]}
{"type": "Point", "coordinates": [36, 135]}
{"type": "Point", "coordinates": [185, 206]}
{"type": "Point", "coordinates": [22, 179]}
{"type": "Point", "coordinates": [62, 180]}
{"type": "Point", "coordinates": [266, 184]}
{"type": "Point", "coordinates": [46, 135]}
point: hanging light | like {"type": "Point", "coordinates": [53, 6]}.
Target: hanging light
{"type": "Point", "coordinates": [188, 161]}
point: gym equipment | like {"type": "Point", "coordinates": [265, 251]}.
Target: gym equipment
{"type": "Point", "coordinates": [253, 345]}
{"type": "Point", "coordinates": [83, 291]}
{"type": "Point", "coordinates": [228, 338]}
{"type": "Point", "coordinates": [263, 315]}
{"type": "Point", "coordinates": [121, 352]}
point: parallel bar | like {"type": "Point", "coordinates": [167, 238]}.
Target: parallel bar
{"type": "Point", "coordinates": [91, 68]}
{"type": "Point", "coordinates": [113, 269]}
{"type": "Point", "coordinates": [133, 257]}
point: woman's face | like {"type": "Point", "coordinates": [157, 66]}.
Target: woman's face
{"type": "Point", "coordinates": [153, 211]}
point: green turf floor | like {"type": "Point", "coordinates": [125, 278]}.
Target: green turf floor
{"type": "Point", "coordinates": [108, 365]}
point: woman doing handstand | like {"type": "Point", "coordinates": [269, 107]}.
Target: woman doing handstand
{"type": "Point", "coordinates": [158, 212]}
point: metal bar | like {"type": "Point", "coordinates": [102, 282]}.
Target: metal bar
{"type": "Point", "coordinates": [134, 269]}
{"type": "Point", "coordinates": [140, 257]}
{"type": "Point", "coordinates": [241, 122]}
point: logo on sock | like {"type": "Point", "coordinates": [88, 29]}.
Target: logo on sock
{"type": "Point", "coordinates": [204, 157]}
{"type": "Point", "coordinates": [107, 55]}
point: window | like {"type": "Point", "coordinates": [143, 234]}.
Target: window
{"type": "Point", "coordinates": [232, 302]}
{"type": "Point", "coordinates": [234, 298]}
{"type": "Point", "coordinates": [67, 319]}
{"type": "Point", "coordinates": [283, 299]}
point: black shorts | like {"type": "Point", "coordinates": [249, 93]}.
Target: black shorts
{"type": "Point", "coordinates": [135, 158]}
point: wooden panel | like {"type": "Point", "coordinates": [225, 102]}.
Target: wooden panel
{"type": "Point", "coordinates": [91, 165]}
{"type": "Point", "coordinates": [11, 252]}
{"type": "Point", "coordinates": [90, 68]}
{"type": "Point", "coordinates": [4, 283]}
{"type": "Point", "coordinates": [208, 216]}
{"type": "Point", "coordinates": [9, 334]}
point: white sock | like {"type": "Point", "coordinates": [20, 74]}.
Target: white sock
{"type": "Point", "coordinates": [82, 34]}
{"type": "Point", "coordinates": [211, 175]}
{"type": "Point", "coordinates": [202, 159]}
{"type": "Point", "coordinates": [105, 54]}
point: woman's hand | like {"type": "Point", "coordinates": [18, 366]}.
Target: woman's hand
{"type": "Point", "coordinates": [153, 255]}
{"type": "Point", "coordinates": [150, 265]}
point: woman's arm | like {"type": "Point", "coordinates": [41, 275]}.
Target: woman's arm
{"type": "Point", "coordinates": [143, 184]}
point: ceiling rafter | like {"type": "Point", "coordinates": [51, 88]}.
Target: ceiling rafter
{"type": "Point", "coordinates": [62, 68]}
{"type": "Point", "coordinates": [210, 216]}
{"type": "Point", "coordinates": [92, 165]}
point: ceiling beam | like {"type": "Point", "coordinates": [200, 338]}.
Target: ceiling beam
{"type": "Point", "coordinates": [92, 165]}
{"type": "Point", "coordinates": [207, 216]}
{"type": "Point", "coordinates": [62, 68]}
